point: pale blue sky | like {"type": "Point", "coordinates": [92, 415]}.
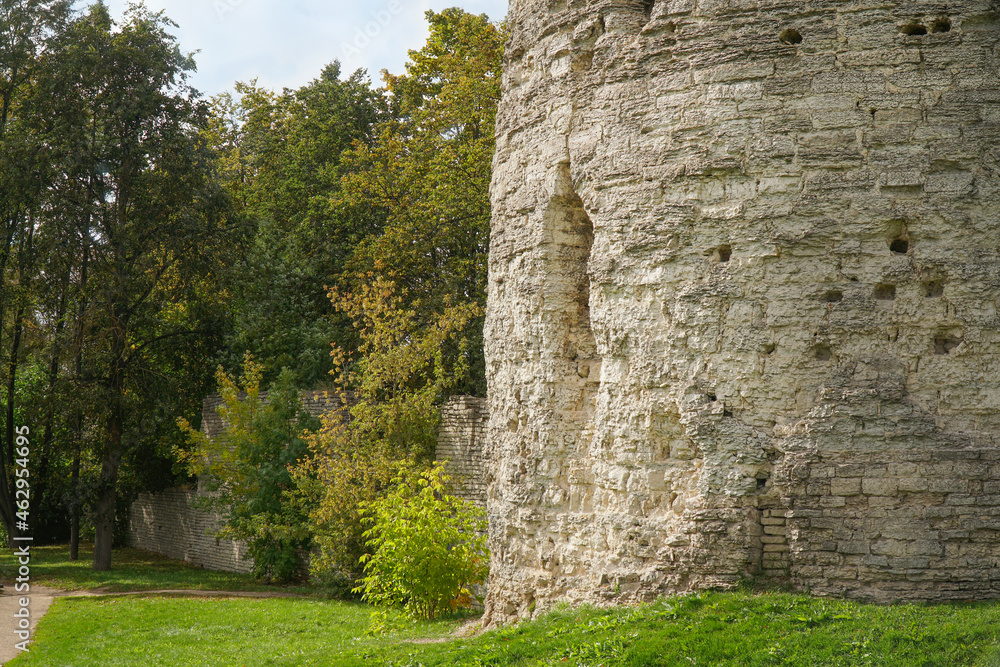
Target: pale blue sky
{"type": "Point", "coordinates": [287, 43]}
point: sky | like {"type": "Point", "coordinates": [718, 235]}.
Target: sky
{"type": "Point", "coordinates": [286, 43]}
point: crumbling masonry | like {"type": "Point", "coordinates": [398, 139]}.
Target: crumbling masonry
{"type": "Point", "coordinates": [744, 281]}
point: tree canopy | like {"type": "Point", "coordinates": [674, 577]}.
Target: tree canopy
{"type": "Point", "coordinates": [337, 233]}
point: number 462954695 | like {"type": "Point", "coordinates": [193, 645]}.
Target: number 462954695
{"type": "Point", "coordinates": [22, 473]}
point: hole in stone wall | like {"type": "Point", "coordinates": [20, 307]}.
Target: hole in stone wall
{"type": "Point", "coordinates": [727, 412]}
{"type": "Point", "coordinates": [790, 36]}
{"type": "Point", "coordinates": [900, 246]}
{"type": "Point", "coordinates": [647, 7]}
{"type": "Point", "coordinates": [761, 483]}
{"type": "Point", "coordinates": [712, 398]}
{"type": "Point", "coordinates": [913, 29]}
{"type": "Point", "coordinates": [945, 344]}
{"type": "Point", "coordinates": [934, 289]}
{"type": "Point", "coordinates": [770, 348]}
{"type": "Point", "coordinates": [884, 292]}
{"type": "Point", "coordinates": [941, 25]}
{"type": "Point", "coordinates": [823, 353]}
{"type": "Point", "coordinates": [833, 296]}
{"type": "Point", "coordinates": [723, 253]}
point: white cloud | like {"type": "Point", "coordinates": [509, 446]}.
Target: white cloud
{"type": "Point", "coordinates": [286, 44]}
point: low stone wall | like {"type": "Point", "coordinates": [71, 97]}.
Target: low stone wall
{"type": "Point", "coordinates": [170, 523]}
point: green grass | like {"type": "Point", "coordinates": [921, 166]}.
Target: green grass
{"type": "Point", "coordinates": [719, 629]}
{"type": "Point", "coordinates": [132, 570]}
{"type": "Point", "coordinates": [170, 631]}
{"type": "Point", "coordinates": [741, 629]}
{"type": "Point", "coordinates": [733, 629]}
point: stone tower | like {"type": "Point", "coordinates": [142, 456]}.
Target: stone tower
{"type": "Point", "coordinates": [744, 283]}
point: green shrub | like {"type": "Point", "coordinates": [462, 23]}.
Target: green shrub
{"type": "Point", "coordinates": [428, 547]}
{"type": "Point", "coordinates": [247, 469]}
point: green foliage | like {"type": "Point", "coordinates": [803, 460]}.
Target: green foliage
{"type": "Point", "coordinates": [128, 230]}
{"type": "Point", "coordinates": [279, 157]}
{"type": "Point", "coordinates": [428, 547]}
{"type": "Point", "coordinates": [413, 292]}
{"type": "Point", "coordinates": [247, 468]}
{"type": "Point", "coordinates": [394, 389]}
{"type": "Point", "coordinates": [429, 171]}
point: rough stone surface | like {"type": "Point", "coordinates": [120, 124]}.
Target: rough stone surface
{"type": "Point", "coordinates": [172, 524]}
{"type": "Point", "coordinates": [744, 280]}
{"type": "Point", "coordinates": [460, 445]}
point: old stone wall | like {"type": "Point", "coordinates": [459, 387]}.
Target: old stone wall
{"type": "Point", "coordinates": [744, 280]}
{"type": "Point", "coordinates": [460, 445]}
{"type": "Point", "coordinates": [174, 524]}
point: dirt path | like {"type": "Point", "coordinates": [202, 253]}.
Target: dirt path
{"type": "Point", "coordinates": [41, 598]}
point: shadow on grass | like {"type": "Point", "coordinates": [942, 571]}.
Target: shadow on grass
{"type": "Point", "coordinates": [132, 570]}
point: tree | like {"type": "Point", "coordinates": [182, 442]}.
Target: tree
{"type": "Point", "coordinates": [280, 158]}
{"type": "Point", "coordinates": [395, 386]}
{"type": "Point", "coordinates": [120, 128]}
{"type": "Point", "coordinates": [247, 468]}
{"type": "Point", "coordinates": [414, 291]}
{"type": "Point", "coordinates": [26, 28]}
{"type": "Point", "coordinates": [429, 171]}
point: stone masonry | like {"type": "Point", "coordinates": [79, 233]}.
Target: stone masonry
{"type": "Point", "coordinates": [460, 445]}
{"type": "Point", "coordinates": [172, 524]}
{"type": "Point", "coordinates": [743, 294]}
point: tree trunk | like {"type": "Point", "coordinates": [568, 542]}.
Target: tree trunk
{"type": "Point", "coordinates": [104, 514]}
{"type": "Point", "coordinates": [104, 519]}
{"type": "Point", "coordinates": [74, 510]}
{"type": "Point", "coordinates": [15, 349]}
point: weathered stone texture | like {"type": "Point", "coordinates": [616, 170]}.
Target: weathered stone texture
{"type": "Point", "coordinates": [744, 280]}
{"type": "Point", "coordinates": [172, 524]}
{"type": "Point", "coordinates": [460, 445]}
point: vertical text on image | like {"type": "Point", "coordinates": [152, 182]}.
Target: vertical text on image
{"type": "Point", "coordinates": [21, 539]}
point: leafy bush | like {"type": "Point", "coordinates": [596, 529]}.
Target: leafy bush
{"type": "Point", "coordinates": [428, 547]}
{"type": "Point", "coordinates": [247, 469]}
{"type": "Point", "coordinates": [394, 386]}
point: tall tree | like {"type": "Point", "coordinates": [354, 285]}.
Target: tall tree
{"type": "Point", "coordinates": [122, 131]}
{"type": "Point", "coordinates": [429, 171]}
{"type": "Point", "coordinates": [280, 156]}
{"type": "Point", "coordinates": [26, 26]}
{"type": "Point", "coordinates": [414, 291]}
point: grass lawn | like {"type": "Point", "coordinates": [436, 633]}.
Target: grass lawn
{"type": "Point", "coordinates": [184, 632]}
{"type": "Point", "coordinates": [735, 629]}
{"type": "Point", "coordinates": [132, 570]}
{"type": "Point", "coordinates": [721, 629]}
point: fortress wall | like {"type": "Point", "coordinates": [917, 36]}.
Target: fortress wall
{"type": "Point", "coordinates": [172, 522]}
{"type": "Point", "coordinates": [742, 320]}
{"type": "Point", "coordinates": [460, 445]}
